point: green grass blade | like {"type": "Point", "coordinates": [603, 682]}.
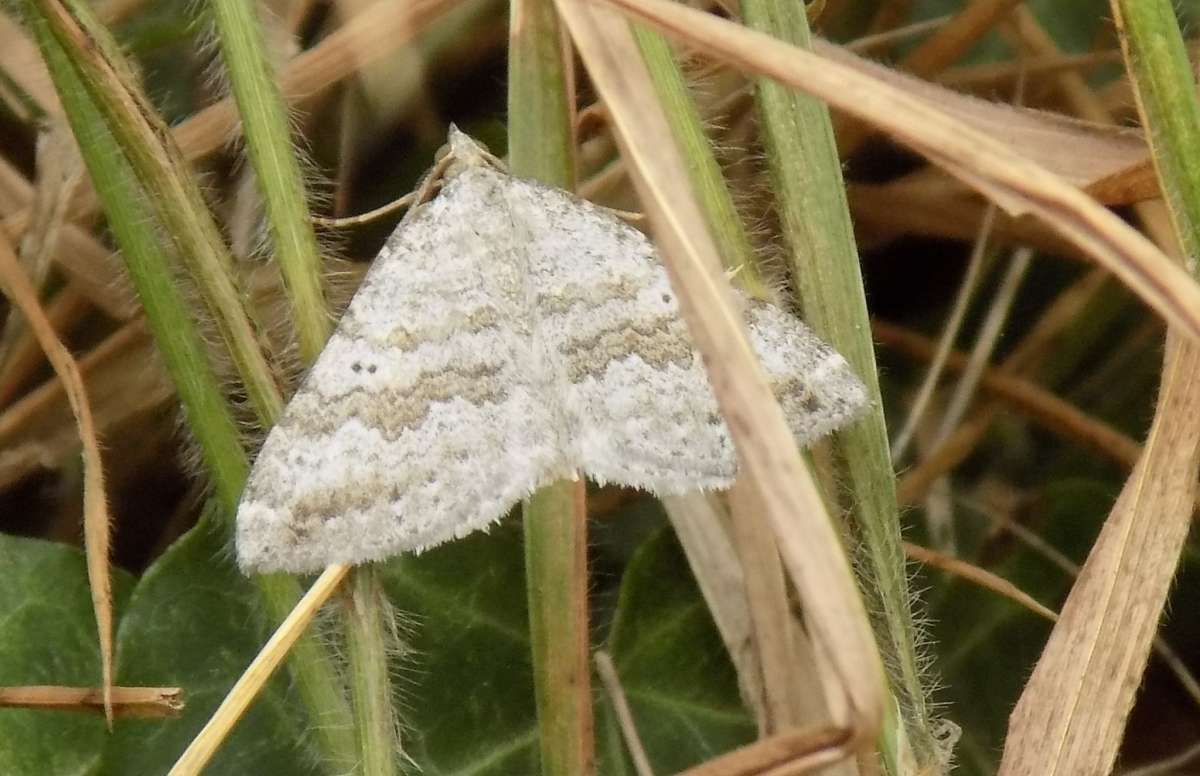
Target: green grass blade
{"type": "Point", "coordinates": [814, 216]}
{"type": "Point", "coordinates": [208, 415]}
{"type": "Point", "coordinates": [539, 116]}
{"type": "Point", "coordinates": [277, 171]}
{"type": "Point", "coordinates": [171, 190]}
{"type": "Point", "coordinates": [278, 176]}
{"type": "Point", "coordinates": [370, 682]}
{"type": "Point", "coordinates": [707, 180]}
{"type": "Point", "coordinates": [205, 408]}
{"type": "Point", "coordinates": [1166, 93]}
{"type": "Point", "coordinates": [540, 147]}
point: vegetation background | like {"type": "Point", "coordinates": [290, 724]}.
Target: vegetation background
{"type": "Point", "coordinates": [1011, 469]}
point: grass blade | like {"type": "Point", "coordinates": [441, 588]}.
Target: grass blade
{"type": "Point", "coordinates": [810, 197]}
{"type": "Point", "coordinates": [276, 170]}
{"type": "Point", "coordinates": [808, 541]}
{"type": "Point", "coordinates": [1013, 182]}
{"type": "Point", "coordinates": [1072, 712]}
{"type": "Point", "coordinates": [171, 191]}
{"type": "Point", "coordinates": [541, 147]}
{"type": "Point", "coordinates": [207, 412]}
{"type": "Point", "coordinates": [22, 295]}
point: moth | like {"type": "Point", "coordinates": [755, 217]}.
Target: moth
{"type": "Point", "coordinates": [507, 335]}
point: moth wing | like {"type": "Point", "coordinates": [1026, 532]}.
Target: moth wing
{"type": "Point", "coordinates": [815, 386]}
{"type": "Point", "coordinates": [424, 418]}
{"type": "Point", "coordinates": [641, 409]}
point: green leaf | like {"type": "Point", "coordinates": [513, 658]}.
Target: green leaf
{"type": "Point", "coordinates": [468, 703]}
{"type": "Point", "coordinates": [49, 637]}
{"type": "Point", "coordinates": [677, 676]}
{"type": "Point", "coordinates": [465, 688]}
{"type": "Point", "coordinates": [465, 684]}
{"type": "Point", "coordinates": [194, 622]}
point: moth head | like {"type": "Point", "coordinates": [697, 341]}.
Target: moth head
{"type": "Point", "coordinates": [462, 151]}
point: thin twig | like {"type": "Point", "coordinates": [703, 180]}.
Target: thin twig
{"type": "Point", "coordinates": [1043, 548]}
{"type": "Point", "coordinates": [1039, 404]}
{"type": "Point", "coordinates": [870, 43]}
{"type": "Point", "coordinates": [985, 344]}
{"type": "Point", "coordinates": [146, 702]}
{"type": "Point", "coordinates": [616, 694]}
{"type": "Point", "coordinates": [787, 754]}
{"type": "Point", "coordinates": [20, 291]}
{"type": "Point", "coordinates": [980, 576]}
{"type": "Point", "coordinates": [966, 292]}
{"type": "Point", "coordinates": [367, 217]}
{"type": "Point", "coordinates": [255, 677]}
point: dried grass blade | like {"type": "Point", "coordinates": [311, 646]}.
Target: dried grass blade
{"type": "Point", "coordinates": [950, 330]}
{"type": "Point", "coordinates": [787, 754]}
{"type": "Point", "coordinates": [171, 320]}
{"type": "Point", "coordinates": [145, 702]}
{"type": "Point", "coordinates": [21, 62]}
{"type": "Point", "coordinates": [1041, 405]}
{"type": "Point", "coordinates": [1016, 184]}
{"type": "Point", "coordinates": [366, 38]}
{"type": "Point", "coordinates": [1049, 331]}
{"type": "Point", "coordinates": [252, 680]}
{"type": "Point", "coordinates": [616, 695]}
{"type": "Point", "coordinates": [377, 31]}
{"type": "Point", "coordinates": [119, 388]}
{"type": "Point", "coordinates": [979, 576]}
{"type": "Point", "coordinates": [808, 542]}
{"type": "Point", "coordinates": [170, 188]}
{"type": "Point", "coordinates": [699, 520]}
{"type": "Point", "coordinates": [957, 36]}
{"type": "Point", "coordinates": [1136, 183]}
{"type": "Point", "coordinates": [95, 507]}
{"type": "Point", "coordinates": [790, 669]}
{"type": "Point", "coordinates": [945, 46]}
{"type": "Point", "coordinates": [85, 261]}
{"type": "Point", "coordinates": [943, 215]}
{"type": "Point", "coordinates": [1071, 715]}
{"type": "Point", "coordinates": [985, 343]}
{"type": "Point", "coordinates": [779, 703]}
{"type": "Point", "coordinates": [1099, 151]}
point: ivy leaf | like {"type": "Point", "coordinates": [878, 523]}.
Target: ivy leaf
{"type": "Point", "coordinates": [465, 680]}
{"type": "Point", "coordinates": [193, 621]}
{"type": "Point", "coordinates": [49, 637]}
{"type": "Point", "coordinates": [677, 676]}
{"type": "Point", "coordinates": [467, 684]}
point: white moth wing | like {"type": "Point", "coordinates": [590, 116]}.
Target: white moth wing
{"type": "Point", "coordinates": [427, 415]}
{"type": "Point", "coordinates": [639, 408]}
{"type": "Point", "coordinates": [814, 384]}
{"type": "Point", "coordinates": [639, 405]}
{"type": "Point", "coordinates": [507, 335]}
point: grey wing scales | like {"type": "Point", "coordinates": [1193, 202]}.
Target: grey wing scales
{"type": "Point", "coordinates": [638, 405]}
{"type": "Point", "coordinates": [640, 408]}
{"type": "Point", "coordinates": [814, 384]}
{"type": "Point", "coordinates": [424, 418]}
